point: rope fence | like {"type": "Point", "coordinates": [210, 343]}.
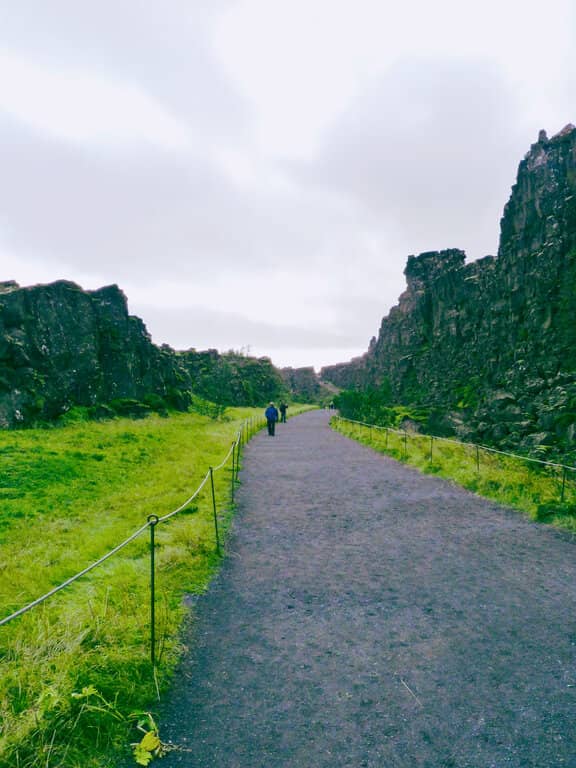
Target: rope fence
{"type": "Point", "coordinates": [74, 578]}
{"type": "Point", "coordinates": [248, 428]}
{"type": "Point", "coordinates": [476, 447]}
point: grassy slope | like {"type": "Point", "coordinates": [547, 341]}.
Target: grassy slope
{"type": "Point", "coordinates": [68, 495]}
{"type": "Point", "coordinates": [532, 488]}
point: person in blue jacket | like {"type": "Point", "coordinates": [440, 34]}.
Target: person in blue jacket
{"type": "Point", "coordinates": [271, 414]}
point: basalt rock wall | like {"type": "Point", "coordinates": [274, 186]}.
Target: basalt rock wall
{"type": "Point", "coordinates": [233, 379]}
{"type": "Point", "coordinates": [305, 386]}
{"type": "Point", "coordinates": [62, 346]}
{"type": "Point", "coordinates": [493, 342]}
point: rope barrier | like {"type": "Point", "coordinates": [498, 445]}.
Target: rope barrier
{"type": "Point", "coordinates": [225, 461]}
{"type": "Point", "coordinates": [460, 443]}
{"type": "Point", "coordinates": [152, 521]}
{"type": "Point", "coordinates": [74, 578]}
{"type": "Point", "coordinates": [187, 502]}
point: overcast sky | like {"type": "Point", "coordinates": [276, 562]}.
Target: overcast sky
{"type": "Point", "coordinates": [254, 173]}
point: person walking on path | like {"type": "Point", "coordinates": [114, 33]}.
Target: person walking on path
{"type": "Point", "coordinates": [271, 414]}
{"type": "Point", "coordinates": [368, 616]}
{"type": "Point", "coordinates": [283, 408]}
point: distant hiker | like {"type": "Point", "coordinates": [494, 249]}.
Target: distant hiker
{"type": "Point", "coordinates": [271, 414]}
{"type": "Point", "coordinates": [283, 408]}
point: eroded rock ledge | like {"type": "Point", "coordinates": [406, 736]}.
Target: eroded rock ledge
{"type": "Point", "coordinates": [493, 343]}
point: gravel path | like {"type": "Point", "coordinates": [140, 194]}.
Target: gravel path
{"type": "Point", "coordinates": [367, 615]}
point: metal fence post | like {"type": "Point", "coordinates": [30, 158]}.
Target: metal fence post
{"type": "Point", "coordinates": [431, 447]}
{"type": "Point", "coordinates": [233, 471]}
{"type": "Point", "coordinates": [477, 458]}
{"type": "Point", "coordinates": [238, 448]}
{"type": "Point", "coordinates": [563, 484]}
{"type": "Point", "coordinates": [153, 522]}
{"type": "Point", "coordinates": [214, 510]}
{"type": "Point", "coordinates": [405, 444]}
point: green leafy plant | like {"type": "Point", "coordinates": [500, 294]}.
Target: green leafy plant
{"type": "Point", "coordinates": [148, 747]}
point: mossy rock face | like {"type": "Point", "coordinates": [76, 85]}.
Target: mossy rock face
{"type": "Point", "coordinates": [234, 379]}
{"type": "Point", "coordinates": [62, 347]}
{"type": "Point", "coordinates": [494, 339]}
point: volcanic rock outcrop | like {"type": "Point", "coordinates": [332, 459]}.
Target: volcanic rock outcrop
{"type": "Point", "coordinates": [493, 342]}
{"type": "Point", "coordinates": [232, 378]}
{"type": "Point", "coordinates": [62, 346]}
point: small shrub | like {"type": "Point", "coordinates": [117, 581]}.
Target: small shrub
{"type": "Point", "coordinates": [545, 512]}
{"type": "Point", "coordinates": [126, 406]}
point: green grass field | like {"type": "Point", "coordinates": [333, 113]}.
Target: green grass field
{"type": "Point", "coordinates": [68, 495]}
{"type": "Point", "coordinates": [75, 671]}
{"type": "Point", "coordinates": [543, 492]}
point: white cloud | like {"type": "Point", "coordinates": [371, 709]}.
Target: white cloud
{"type": "Point", "coordinates": [427, 153]}
{"type": "Point", "coordinates": [298, 63]}
{"type": "Point", "coordinates": [85, 108]}
{"type": "Point", "coordinates": [255, 172]}
{"type": "Point", "coordinates": [302, 62]}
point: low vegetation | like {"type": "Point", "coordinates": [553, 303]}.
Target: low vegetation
{"type": "Point", "coordinates": [233, 378]}
{"type": "Point", "coordinates": [547, 493]}
{"type": "Point", "coordinates": [76, 679]}
{"type": "Point", "coordinates": [375, 405]}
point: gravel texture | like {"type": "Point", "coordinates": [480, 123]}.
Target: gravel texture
{"type": "Point", "coordinates": [367, 615]}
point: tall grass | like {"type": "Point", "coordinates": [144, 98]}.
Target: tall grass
{"type": "Point", "coordinates": [67, 496]}
{"type": "Point", "coordinates": [544, 492]}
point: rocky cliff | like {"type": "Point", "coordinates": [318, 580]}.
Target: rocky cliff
{"type": "Point", "coordinates": [493, 343]}
{"type": "Point", "coordinates": [61, 346]}
{"type": "Point", "coordinates": [233, 379]}
{"type": "Point", "coordinates": [305, 386]}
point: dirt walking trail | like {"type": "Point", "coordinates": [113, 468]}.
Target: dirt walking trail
{"type": "Point", "coordinates": [367, 615]}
